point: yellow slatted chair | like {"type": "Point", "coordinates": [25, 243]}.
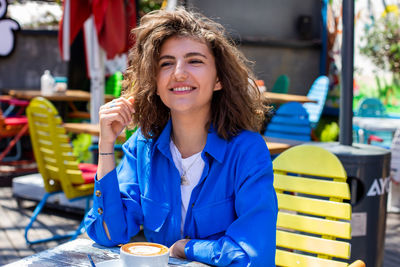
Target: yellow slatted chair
{"type": "Point", "coordinates": [310, 183]}
{"type": "Point", "coordinates": [56, 163]}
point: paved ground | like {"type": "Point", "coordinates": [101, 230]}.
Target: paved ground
{"type": "Point", "coordinates": [14, 219]}
{"type": "Point", "coordinates": [392, 241]}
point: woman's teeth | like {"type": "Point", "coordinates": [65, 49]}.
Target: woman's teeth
{"type": "Point", "coordinates": [181, 89]}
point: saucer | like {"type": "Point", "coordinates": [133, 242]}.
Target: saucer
{"type": "Point", "coordinates": [110, 263]}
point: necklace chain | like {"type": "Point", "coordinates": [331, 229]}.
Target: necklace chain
{"type": "Point", "coordinates": [184, 180]}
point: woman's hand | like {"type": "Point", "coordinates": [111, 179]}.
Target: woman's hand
{"type": "Point", "coordinates": [114, 117]}
{"type": "Point", "coordinates": [177, 250]}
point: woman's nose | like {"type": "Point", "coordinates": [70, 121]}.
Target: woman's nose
{"type": "Point", "coordinates": [180, 72]}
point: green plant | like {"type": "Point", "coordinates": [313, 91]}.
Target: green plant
{"type": "Point", "coordinates": [81, 145]}
{"type": "Point", "coordinates": [382, 44]}
{"type": "Point", "coordinates": [145, 6]}
{"type": "Point", "coordinates": [330, 132]}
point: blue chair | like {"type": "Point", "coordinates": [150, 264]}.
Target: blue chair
{"type": "Point", "coordinates": [318, 92]}
{"type": "Point", "coordinates": [290, 122]}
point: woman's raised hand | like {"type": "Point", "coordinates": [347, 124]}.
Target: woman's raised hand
{"type": "Point", "coordinates": [114, 117]}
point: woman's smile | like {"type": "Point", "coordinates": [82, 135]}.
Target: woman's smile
{"type": "Point", "coordinates": [183, 89]}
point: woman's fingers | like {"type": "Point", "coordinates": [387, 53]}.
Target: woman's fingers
{"type": "Point", "coordinates": [120, 106]}
{"type": "Point", "coordinates": [126, 109]}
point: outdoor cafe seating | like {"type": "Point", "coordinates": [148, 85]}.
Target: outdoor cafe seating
{"type": "Point", "coordinates": [56, 163]}
{"type": "Point", "coordinates": [313, 226]}
{"type": "Point", "coordinates": [13, 125]}
{"type": "Point", "coordinates": [290, 122]}
{"type": "Point", "coordinates": [318, 92]}
{"type": "Point", "coordinates": [373, 109]}
{"type": "Point", "coordinates": [311, 187]}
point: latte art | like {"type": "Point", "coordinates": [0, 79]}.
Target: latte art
{"type": "Point", "coordinates": [144, 250]}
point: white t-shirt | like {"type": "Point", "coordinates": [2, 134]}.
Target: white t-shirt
{"type": "Point", "coordinates": [193, 166]}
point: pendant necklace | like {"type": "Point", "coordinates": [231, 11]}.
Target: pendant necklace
{"type": "Point", "coordinates": [184, 180]}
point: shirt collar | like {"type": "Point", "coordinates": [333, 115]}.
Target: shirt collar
{"type": "Point", "coordinates": [215, 146]}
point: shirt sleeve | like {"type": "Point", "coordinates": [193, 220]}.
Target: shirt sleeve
{"type": "Point", "coordinates": [251, 239]}
{"type": "Point", "coordinates": [116, 201]}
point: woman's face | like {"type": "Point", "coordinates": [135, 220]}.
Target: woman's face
{"type": "Point", "coordinates": [187, 76]}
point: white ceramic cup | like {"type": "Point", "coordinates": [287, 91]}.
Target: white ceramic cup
{"type": "Point", "coordinates": [144, 254]}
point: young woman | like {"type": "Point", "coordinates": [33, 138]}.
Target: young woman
{"type": "Point", "coordinates": [196, 174]}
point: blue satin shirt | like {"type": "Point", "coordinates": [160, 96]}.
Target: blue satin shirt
{"type": "Point", "coordinates": [231, 218]}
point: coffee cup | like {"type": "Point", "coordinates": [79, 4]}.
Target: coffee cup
{"type": "Point", "coordinates": [144, 254]}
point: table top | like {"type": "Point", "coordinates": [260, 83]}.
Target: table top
{"type": "Point", "coordinates": [74, 253]}
{"type": "Point", "coordinates": [274, 146]}
{"type": "Point", "coordinates": [69, 95]}
{"type": "Point", "coordinates": [377, 123]}
{"type": "Point", "coordinates": [88, 128]}
{"type": "Point", "coordinates": [284, 98]}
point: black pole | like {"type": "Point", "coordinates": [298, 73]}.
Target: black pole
{"type": "Point", "coordinates": [346, 94]}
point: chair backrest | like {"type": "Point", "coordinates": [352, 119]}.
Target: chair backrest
{"type": "Point", "coordinates": [310, 183]}
{"type": "Point", "coordinates": [371, 107]}
{"type": "Point", "coordinates": [290, 122]}
{"type": "Point", "coordinates": [318, 92]}
{"type": "Point", "coordinates": [53, 152]}
{"type": "Point", "coordinates": [281, 84]}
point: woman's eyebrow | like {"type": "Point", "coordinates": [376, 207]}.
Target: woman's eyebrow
{"type": "Point", "coordinates": [166, 57]}
{"type": "Point", "coordinates": [192, 54]}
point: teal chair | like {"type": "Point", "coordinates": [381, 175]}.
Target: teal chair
{"type": "Point", "coordinates": [318, 92]}
{"type": "Point", "coordinates": [372, 107]}
{"type": "Point", "coordinates": [281, 85]}
{"type": "Point", "coordinates": [290, 122]}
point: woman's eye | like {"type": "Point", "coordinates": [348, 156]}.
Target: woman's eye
{"type": "Point", "coordinates": [196, 61]}
{"type": "Point", "coordinates": [164, 64]}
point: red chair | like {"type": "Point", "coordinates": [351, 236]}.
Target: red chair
{"type": "Point", "coordinates": [13, 125]}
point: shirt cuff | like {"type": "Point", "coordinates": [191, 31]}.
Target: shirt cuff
{"type": "Point", "coordinates": [106, 190]}
{"type": "Point", "coordinates": [199, 250]}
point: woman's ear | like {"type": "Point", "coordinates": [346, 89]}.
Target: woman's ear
{"type": "Point", "coordinates": [218, 85]}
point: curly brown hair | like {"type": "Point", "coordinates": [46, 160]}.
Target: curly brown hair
{"type": "Point", "coordinates": [238, 106]}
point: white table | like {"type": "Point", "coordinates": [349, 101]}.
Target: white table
{"type": "Point", "coordinates": [74, 253]}
{"type": "Point", "coordinates": [377, 124]}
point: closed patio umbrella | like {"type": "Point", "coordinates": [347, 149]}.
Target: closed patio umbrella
{"type": "Point", "coordinates": [106, 25]}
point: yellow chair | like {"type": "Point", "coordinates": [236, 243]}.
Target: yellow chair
{"type": "Point", "coordinates": [56, 163]}
{"type": "Point", "coordinates": [310, 183]}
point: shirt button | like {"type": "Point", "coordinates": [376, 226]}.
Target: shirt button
{"type": "Point", "coordinates": [187, 237]}
{"type": "Point", "coordinates": [192, 205]}
{"type": "Point", "coordinates": [100, 211]}
{"type": "Point", "coordinates": [98, 193]}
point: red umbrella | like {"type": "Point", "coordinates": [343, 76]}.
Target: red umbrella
{"type": "Point", "coordinates": [106, 23]}
{"type": "Point", "coordinates": [113, 21]}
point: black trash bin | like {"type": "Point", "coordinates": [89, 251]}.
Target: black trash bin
{"type": "Point", "coordinates": [368, 169]}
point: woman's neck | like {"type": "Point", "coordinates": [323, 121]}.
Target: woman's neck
{"type": "Point", "coordinates": [189, 134]}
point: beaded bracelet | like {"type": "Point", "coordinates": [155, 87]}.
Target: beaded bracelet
{"type": "Point", "coordinates": [105, 154]}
